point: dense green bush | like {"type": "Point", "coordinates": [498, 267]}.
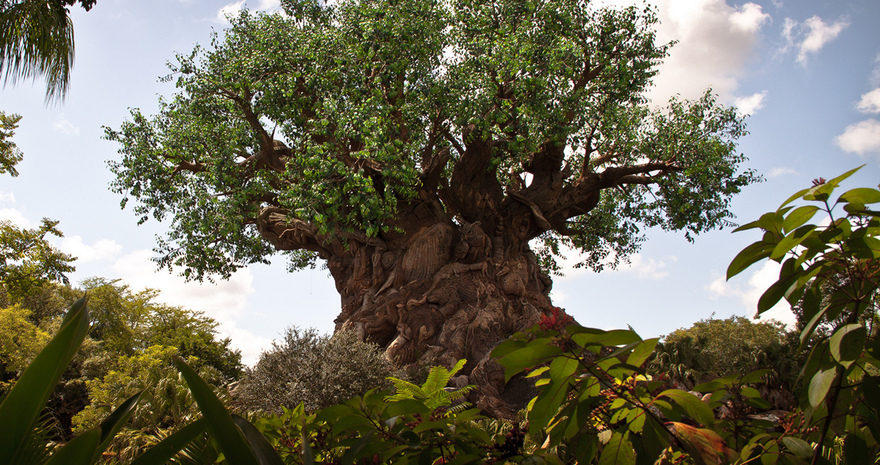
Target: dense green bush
{"type": "Point", "coordinates": [314, 369]}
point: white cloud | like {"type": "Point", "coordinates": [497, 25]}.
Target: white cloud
{"type": "Point", "coordinates": [861, 138]}
{"type": "Point", "coordinates": [748, 295]}
{"type": "Point", "coordinates": [15, 217]}
{"type": "Point", "coordinates": [751, 104]}
{"type": "Point", "coordinates": [870, 102]}
{"type": "Point", "coordinates": [777, 172]}
{"type": "Point", "coordinates": [101, 250]}
{"type": "Point", "coordinates": [810, 36]}
{"type": "Point", "coordinates": [64, 126]}
{"type": "Point", "coordinates": [232, 9]}
{"type": "Point", "coordinates": [715, 41]}
{"type": "Point", "coordinates": [7, 197]}
{"type": "Point", "coordinates": [224, 301]}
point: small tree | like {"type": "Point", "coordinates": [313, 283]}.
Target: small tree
{"type": "Point", "coordinates": [28, 261]}
{"type": "Point", "coordinates": [318, 371]}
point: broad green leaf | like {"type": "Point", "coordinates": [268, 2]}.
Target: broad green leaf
{"type": "Point", "coordinates": [536, 353]}
{"type": "Point", "coordinates": [798, 446]}
{"type": "Point", "coordinates": [229, 438]}
{"type": "Point", "coordinates": [547, 404]}
{"type": "Point", "coordinates": [22, 405]}
{"type": "Point", "coordinates": [847, 343]}
{"type": "Point", "coordinates": [811, 325]}
{"type": "Point", "coordinates": [855, 449]}
{"type": "Point", "coordinates": [563, 367]}
{"type": "Point", "coordinates": [115, 421]}
{"type": "Point", "coordinates": [819, 386]}
{"type": "Point", "coordinates": [748, 256]}
{"type": "Point", "coordinates": [776, 292]}
{"type": "Point", "coordinates": [798, 217]}
{"type": "Point", "coordinates": [693, 406]}
{"type": "Point", "coordinates": [771, 222]}
{"type": "Point", "coordinates": [406, 407]}
{"type": "Point", "coordinates": [263, 451]}
{"type": "Point", "coordinates": [861, 195]}
{"type": "Point", "coordinates": [614, 337]}
{"type": "Point", "coordinates": [618, 451]}
{"type": "Point", "coordinates": [166, 449]}
{"type": "Point", "coordinates": [642, 351]}
{"type": "Point", "coordinates": [79, 451]}
{"type": "Point", "coordinates": [791, 241]}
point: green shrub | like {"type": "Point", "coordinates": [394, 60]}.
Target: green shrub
{"type": "Point", "coordinates": [317, 370]}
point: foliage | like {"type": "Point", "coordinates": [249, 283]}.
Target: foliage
{"type": "Point", "coordinates": [433, 391]}
{"type": "Point", "coordinates": [715, 348]}
{"type": "Point", "coordinates": [23, 440]}
{"type": "Point", "coordinates": [28, 261]}
{"type": "Point", "coordinates": [20, 340]}
{"type": "Point", "coordinates": [128, 322]}
{"type": "Point", "coordinates": [36, 39]}
{"type": "Point", "coordinates": [316, 370]}
{"type": "Point", "coordinates": [382, 428]}
{"type": "Point", "coordinates": [831, 270]}
{"type": "Point", "coordinates": [10, 155]}
{"type": "Point", "coordinates": [380, 106]}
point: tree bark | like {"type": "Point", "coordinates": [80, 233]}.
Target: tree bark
{"type": "Point", "coordinates": [439, 292]}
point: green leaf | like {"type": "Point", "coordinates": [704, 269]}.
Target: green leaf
{"type": "Point", "coordinates": [791, 241]}
{"type": "Point", "coordinates": [855, 450]}
{"type": "Point", "coordinates": [536, 353]}
{"type": "Point", "coordinates": [642, 351]}
{"type": "Point", "coordinates": [798, 217]}
{"type": "Point", "coordinates": [406, 407]}
{"type": "Point", "coordinates": [861, 195]}
{"type": "Point", "coordinates": [263, 451]}
{"type": "Point", "coordinates": [220, 424]}
{"type": "Point", "coordinates": [798, 446]}
{"type": "Point", "coordinates": [777, 291]}
{"type": "Point", "coordinates": [546, 405]}
{"type": "Point", "coordinates": [614, 337]}
{"type": "Point", "coordinates": [748, 256]}
{"type": "Point", "coordinates": [618, 451]}
{"type": "Point", "coordinates": [166, 449]}
{"type": "Point", "coordinates": [820, 384]}
{"type": "Point", "coordinates": [79, 451]}
{"type": "Point", "coordinates": [847, 343]}
{"type": "Point", "coordinates": [562, 367]}
{"type": "Point", "coordinates": [693, 406]}
{"type": "Point", "coordinates": [115, 421]}
{"type": "Point", "coordinates": [22, 405]}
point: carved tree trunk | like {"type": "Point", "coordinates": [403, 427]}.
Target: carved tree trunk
{"type": "Point", "coordinates": [439, 292]}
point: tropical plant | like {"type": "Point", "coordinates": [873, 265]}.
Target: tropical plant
{"type": "Point", "coordinates": [24, 438]}
{"type": "Point", "coordinates": [831, 270]}
{"type": "Point", "coordinates": [36, 39]}
{"type": "Point", "coordinates": [433, 392]}
{"type": "Point", "coordinates": [422, 148]}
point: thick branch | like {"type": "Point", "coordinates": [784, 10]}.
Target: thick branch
{"type": "Point", "coordinates": [286, 233]}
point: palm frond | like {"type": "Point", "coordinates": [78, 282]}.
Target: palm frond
{"type": "Point", "coordinates": [36, 39]}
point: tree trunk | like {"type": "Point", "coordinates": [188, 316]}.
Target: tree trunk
{"type": "Point", "coordinates": [439, 292]}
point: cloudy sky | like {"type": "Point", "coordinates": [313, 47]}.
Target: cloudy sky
{"type": "Point", "coordinates": [807, 71]}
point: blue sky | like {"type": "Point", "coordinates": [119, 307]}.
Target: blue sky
{"type": "Point", "coordinates": [808, 73]}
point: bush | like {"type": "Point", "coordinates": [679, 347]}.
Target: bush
{"type": "Point", "coordinates": [317, 370]}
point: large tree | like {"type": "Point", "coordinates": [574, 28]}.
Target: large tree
{"type": "Point", "coordinates": [436, 155]}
